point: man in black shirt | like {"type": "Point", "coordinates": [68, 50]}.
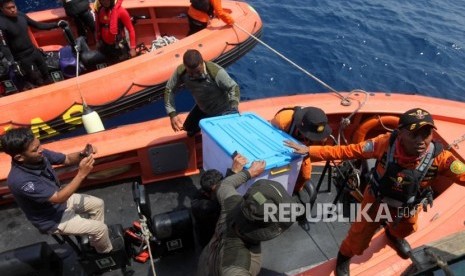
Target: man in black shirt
{"type": "Point", "coordinates": [15, 41]}
{"type": "Point", "coordinates": [205, 206]}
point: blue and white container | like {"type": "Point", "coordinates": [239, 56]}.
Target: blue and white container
{"type": "Point", "coordinates": [256, 139]}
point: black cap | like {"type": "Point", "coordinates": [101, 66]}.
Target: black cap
{"type": "Point", "coordinates": [312, 123]}
{"type": "Point", "coordinates": [249, 215]}
{"type": "Point", "coordinates": [416, 118]}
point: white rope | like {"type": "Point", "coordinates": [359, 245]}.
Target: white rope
{"type": "Point", "coordinates": [288, 60]}
{"type": "Point", "coordinates": [146, 233]}
{"type": "Point", "coordinates": [76, 48]}
{"type": "Point", "coordinates": [345, 100]}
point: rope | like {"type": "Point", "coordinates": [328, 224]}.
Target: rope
{"type": "Point", "coordinates": [76, 48]}
{"type": "Point", "coordinates": [288, 60]}
{"type": "Point", "coordinates": [439, 261]}
{"type": "Point", "coordinates": [456, 142]}
{"type": "Point", "coordinates": [146, 233]}
{"type": "Point", "coordinates": [345, 100]}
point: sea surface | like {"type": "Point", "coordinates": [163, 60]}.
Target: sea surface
{"type": "Point", "coordinates": [375, 45]}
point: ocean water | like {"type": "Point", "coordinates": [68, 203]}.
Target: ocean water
{"type": "Point", "coordinates": [375, 45]}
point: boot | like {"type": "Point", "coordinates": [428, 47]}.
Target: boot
{"type": "Point", "coordinates": [342, 265]}
{"type": "Point", "coordinates": [400, 245]}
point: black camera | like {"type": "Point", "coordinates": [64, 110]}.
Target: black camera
{"type": "Point", "coordinates": [88, 150]}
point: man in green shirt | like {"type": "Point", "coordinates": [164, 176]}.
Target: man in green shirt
{"type": "Point", "coordinates": [214, 92]}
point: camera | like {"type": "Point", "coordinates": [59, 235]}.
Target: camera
{"type": "Point", "coordinates": [88, 150]}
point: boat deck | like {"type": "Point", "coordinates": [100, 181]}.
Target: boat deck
{"type": "Point", "coordinates": [301, 246]}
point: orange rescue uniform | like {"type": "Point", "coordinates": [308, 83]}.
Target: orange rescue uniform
{"type": "Point", "coordinates": [217, 9]}
{"type": "Point", "coordinates": [361, 232]}
{"type": "Point", "coordinates": [283, 121]}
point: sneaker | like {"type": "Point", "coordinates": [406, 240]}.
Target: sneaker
{"type": "Point", "coordinates": [400, 245]}
{"type": "Point", "coordinates": [342, 265]}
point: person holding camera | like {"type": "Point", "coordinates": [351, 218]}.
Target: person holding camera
{"type": "Point", "coordinates": [51, 207]}
{"type": "Point", "coordinates": [14, 38]}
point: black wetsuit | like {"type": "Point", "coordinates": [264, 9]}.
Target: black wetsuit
{"type": "Point", "coordinates": [79, 10]}
{"type": "Point", "coordinates": [16, 41]}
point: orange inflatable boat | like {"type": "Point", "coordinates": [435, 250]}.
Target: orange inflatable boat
{"type": "Point", "coordinates": [56, 108]}
{"type": "Point", "coordinates": [139, 151]}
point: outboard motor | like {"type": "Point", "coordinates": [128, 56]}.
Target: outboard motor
{"type": "Point", "coordinates": [171, 232]}
{"type": "Point", "coordinates": [92, 60]}
{"type": "Point", "coordinates": [68, 59]}
{"type": "Point", "coordinates": [174, 232]}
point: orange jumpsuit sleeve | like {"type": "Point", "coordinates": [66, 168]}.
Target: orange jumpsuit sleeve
{"type": "Point", "coordinates": [371, 148]}
{"type": "Point", "coordinates": [451, 167]}
{"type": "Point", "coordinates": [220, 13]}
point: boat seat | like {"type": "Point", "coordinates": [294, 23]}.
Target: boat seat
{"type": "Point", "coordinates": [51, 48]}
{"type": "Point", "coordinates": [35, 259]}
{"type": "Point", "coordinates": [97, 263]}
{"type": "Point", "coordinates": [45, 48]}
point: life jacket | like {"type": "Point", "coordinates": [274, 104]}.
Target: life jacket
{"type": "Point", "coordinates": [212, 69]}
{"type": "Point", "coordinates": [293, 120]}
{"type": "Point", "coordinates": [400, 187]}
{"type": "Point", "coordinates": [113, 26]}
{"type": "Point", "coordinates": [203, 5]}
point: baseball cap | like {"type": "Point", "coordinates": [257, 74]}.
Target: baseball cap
{"type": "Point", "coordinates": [312, 123]}
{"type": "Point", "coordinates": [416, 118]}
{"type": "Point", "coordinates": [249, 215]}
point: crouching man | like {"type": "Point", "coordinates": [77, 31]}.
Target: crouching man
{"type": "Point", "coordinates": [235, 248]}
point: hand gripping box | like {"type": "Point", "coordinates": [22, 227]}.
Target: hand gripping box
{"type": "Point", "coordinates": [256, 139]}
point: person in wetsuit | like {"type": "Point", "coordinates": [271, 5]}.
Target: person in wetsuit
{"type": "Point", "coordinates": [80, 11]}
{"type": "Point", "coordinates": [16, 42]}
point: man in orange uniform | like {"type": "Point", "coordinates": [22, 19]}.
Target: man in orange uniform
{"type": "Point", "coordinates": [408, 162]}
{"type": "Point", "coordinates": [111, 17]}
{"type": "Point", "coordinates": [308, 125]}
{"type": "Point", "coordinates": [200, 12]}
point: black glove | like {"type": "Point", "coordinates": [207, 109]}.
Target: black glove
{"type": "Point", "coordinates": [62, 24]}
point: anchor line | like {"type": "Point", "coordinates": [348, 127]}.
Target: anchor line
{"type": "Point", "coordinates": [288, 60]}
{"type": "Point", "coordinates": [345, 100]}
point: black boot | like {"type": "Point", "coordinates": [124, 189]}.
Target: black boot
{"type": "Point", "coordinates": [400, 245]}
{"type": "Point", "coordinates": [342, 265]}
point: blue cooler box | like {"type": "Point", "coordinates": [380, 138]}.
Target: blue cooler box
{"type": "Point", "coordinates": [256, 139]}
